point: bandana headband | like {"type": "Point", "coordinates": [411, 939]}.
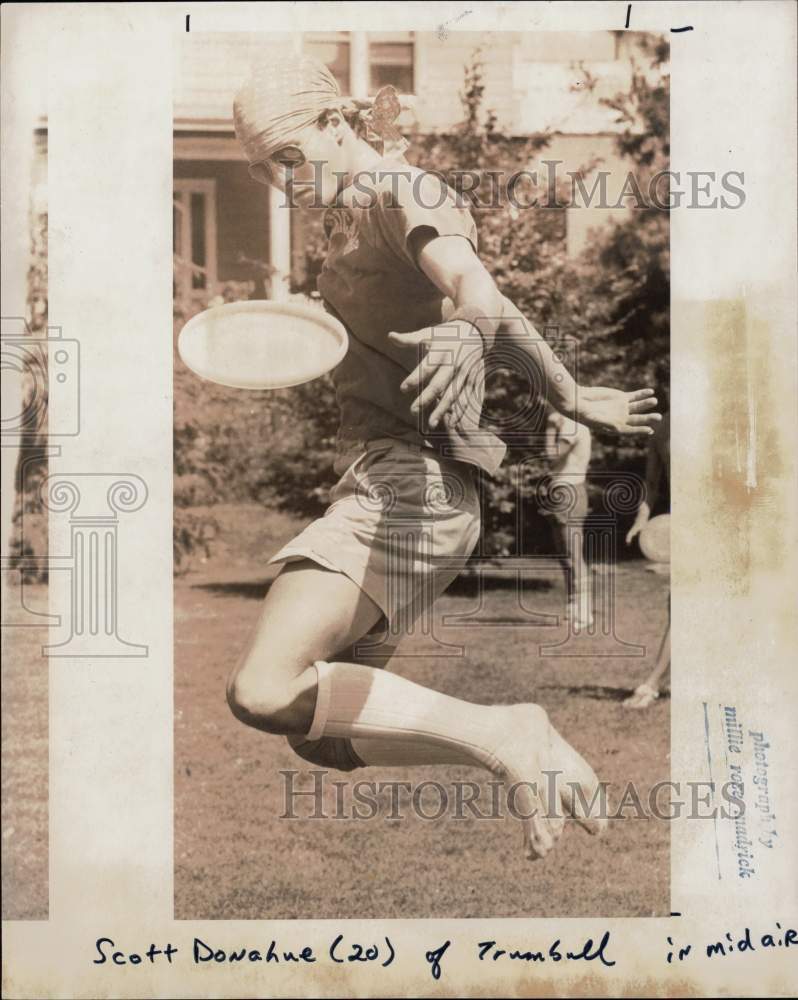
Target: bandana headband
{"type": "Point", "coordinates": [283, 98]}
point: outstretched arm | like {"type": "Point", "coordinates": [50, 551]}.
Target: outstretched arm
{"type": "Point", "coordinates": [597, 407]}
{"type": "Point", "coordinates": [444, 379]}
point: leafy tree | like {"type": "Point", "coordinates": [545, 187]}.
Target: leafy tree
{"type": "Point", "coordinates": [613, 299]}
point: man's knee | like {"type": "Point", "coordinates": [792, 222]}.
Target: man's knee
{"type": "Point", "coordinates": [329, 751]}
{"type": "Point", "coordinates": [256, 702]}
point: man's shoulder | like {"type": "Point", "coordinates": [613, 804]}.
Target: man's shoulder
{"type": "Point", "coordinates": [402, 185]}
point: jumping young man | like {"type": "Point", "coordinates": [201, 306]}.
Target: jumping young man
{"type": "Point", "coordinates": [402, 260]}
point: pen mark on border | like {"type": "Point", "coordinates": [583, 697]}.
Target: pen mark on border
{"type": "Point", "coordinates": [675, 31]}
{"type": "Point", "coordinates": [725, 748]}
{"type": "Point", "coordinates": [442, 33]}
{"type": "Point", "coordinates": [709, 764]}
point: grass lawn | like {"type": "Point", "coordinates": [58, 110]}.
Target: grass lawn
{"type": "Point", "coordinates": [25, 757]}
{"type": "Point", "coordinates": [235, 858]}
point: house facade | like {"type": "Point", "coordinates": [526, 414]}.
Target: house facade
{"type": "Point", "coordinates": [534, 82]}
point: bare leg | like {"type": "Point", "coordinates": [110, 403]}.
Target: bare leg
{"type": "Point", "coordinates": [648, 692]}
{"type": "Point", "coordinates": [568, 541]}
{"type": "Point", "coordinates": [309, 615]}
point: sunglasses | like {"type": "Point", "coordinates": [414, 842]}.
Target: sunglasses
{"type": "Point", "coordinates": [288, 157]}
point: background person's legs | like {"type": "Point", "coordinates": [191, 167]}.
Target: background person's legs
{"type": "Point", "coordinates": [648, 692]}
{"type": "Point", "coordinates": [569, 545]}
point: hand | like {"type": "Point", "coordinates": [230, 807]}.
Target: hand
{"type": "Point", "coordinates": [447, 377]}
{"type": "Point", "coordinates": [643, 515]}
{"type": "Point", "coordinates": [616, 411]}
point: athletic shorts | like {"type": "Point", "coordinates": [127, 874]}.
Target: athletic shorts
{"type": "Point", "coordinates": [401, 524]}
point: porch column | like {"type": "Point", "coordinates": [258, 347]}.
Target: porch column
{"type": "Point", "coordinates": [280, 227]}
{"type": "Point", "coordinates": [359, 64]}
{"type": "Point", "coordinates": [279, 244]}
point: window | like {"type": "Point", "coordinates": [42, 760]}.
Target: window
{"type": "Point", "coordinates": [194, 240]}
{"type": "Point", "coordinates": [389, 56]}
{"type": "Point", "coordinates": [332, 48]}
{"type": "Point", "coordinates": [391, 62]}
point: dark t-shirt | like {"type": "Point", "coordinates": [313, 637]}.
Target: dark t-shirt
{"type": "Point", "coordinates": [372, 283]}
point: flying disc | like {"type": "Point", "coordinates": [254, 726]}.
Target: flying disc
{"type": "Point", "coordinates": [655, 539]}
{"type": "Point", "coordinates": [262, 344]}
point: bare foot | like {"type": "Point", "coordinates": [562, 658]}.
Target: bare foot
{"type": "Point", "coordinates": [580, 792]}
{"type": "Point", "coordinates": [535, 760]}
{"type": "Point", "coordinates": [643, 696]}
{"type": "Point", "coordinates": [579, 619]}
{"type": "Point", "coordinates": [520, 759]}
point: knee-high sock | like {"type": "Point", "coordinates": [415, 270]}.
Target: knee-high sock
{"type": "Point", "coordinates": [392, 721]}
{"type": "Point", "coordinates": [389, 720]}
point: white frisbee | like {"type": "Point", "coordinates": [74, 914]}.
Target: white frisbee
{"type": "Point", "coordinates": [261, 344]}
{"type": "Point", "coordinates": [655, 539]}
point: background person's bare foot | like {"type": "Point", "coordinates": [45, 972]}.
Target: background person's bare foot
{"type": "Point", "coordinates": [579, 611]}
{"type": "Point", "coordinates": [643, 696]}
